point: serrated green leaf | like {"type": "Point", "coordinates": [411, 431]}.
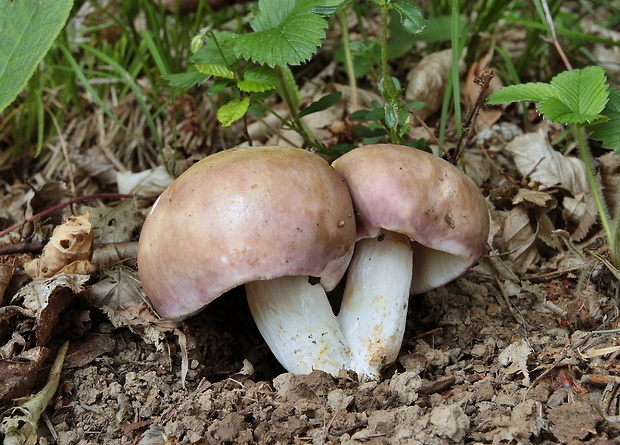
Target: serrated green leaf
{"type": "Point", "coordinates": [322, 104]}
{"type": "Point", "coordinates": [608, 132]}
{"type": "Point", "coordinates": [286, 33]}
{"type": "Point", "coordinates": [584, 91]}
{"type": "Point", "coordinates": [533, 91]}
{"type": "Point", "coordinates": [215, 69]}
{"type": "Point", "coordinates": [258, 80]}
{"type": "Point", "coordinates": [560, 112]}
{"type": "Point", "coordinates": [27, 31]}
{"type": "Point", "coordinates": [232, 111]}
{"type": "Point", "coordinates": [410, 17]}
{"type": "Point", "coordinates": [329, 7]}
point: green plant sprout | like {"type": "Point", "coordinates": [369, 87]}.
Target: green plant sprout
{"type": "Point", "coordinates": [393, 115]}
{"type": "Point", "coordinates": [253, 65]}
{"type": "Point", "coordinates": [581, 99]}
{"type": "Point", "coordinates": [248, 67]}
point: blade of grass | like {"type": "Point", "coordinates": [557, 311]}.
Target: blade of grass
{"type": "Point", "coordinates": [455, 39]}
{"type": "Point", "coordinates": [155, 52]}
{"type": "Point", "coordinates": [127, 79]}
{"type": "Point", "coordinates": [40, 119]}
{"type": "Point", "coordinates": [87, 86]}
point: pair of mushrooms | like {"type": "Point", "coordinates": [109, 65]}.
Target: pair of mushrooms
{"type": "Point", "coordinates": [279, 219]}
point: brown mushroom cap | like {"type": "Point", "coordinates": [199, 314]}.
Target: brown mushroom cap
{"type": "Point", "coordinates": [242, 215]}
{"type": "Point", "coordinates": [435, 204]}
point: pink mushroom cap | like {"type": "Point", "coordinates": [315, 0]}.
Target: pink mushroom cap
{"type": "Point", "coordinates": [405, 190]}
{"type": "Point", "coordinates": [241, 215]}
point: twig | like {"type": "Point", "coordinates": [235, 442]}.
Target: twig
{"type": "Point", "coordinates": [426, 127]}
{"type": "Point", "coordinates": [14, 249]}
{"type": "Point", "coordinates": [484, 79]}
{"type": "Point", "coordinates": [62, 206]}
{"type": "Point", "coordinates": [554, 36]}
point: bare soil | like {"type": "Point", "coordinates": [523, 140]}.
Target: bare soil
{"type": "Point", "coordinates": [469, 372]}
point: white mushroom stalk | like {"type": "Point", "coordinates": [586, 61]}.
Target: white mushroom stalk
{"type": "Point", "coordinates": [421, 222]}
{"type": "Point", "coordinates": [374, 307]}
{"type": "Point", "coordinates": [297, 322]}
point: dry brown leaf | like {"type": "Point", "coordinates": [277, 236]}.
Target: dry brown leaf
{"type": "Point", "coordinates": [514, 358]}
{"type": "Point", "coordinates": [6, 272]}
{"type": "Point", "coordinates": [540, 199]}
{"type": "Point", "coordinates": [519, 239]}
{"type": "Point", "coordinates": [581, 212]}
{"type": "Point", "coordinates": [116, 254]}
{"type": "Point", "coordinates": [117, 224]}
{"type": "Point", "coordinates": [537, 160]}
{"type": "Point", "coordinates": [609, 167]}
{"type": "Point", "coordinates": [121, 298]}
{"type": "Point", "coordinates": [71, 243]}
{"type": "Point", "coordinates": [47, 298]}
{"type": "Point", "coordinates": [19, 373]}
{"type": "Point", "coordinates": [427, 81]}
{"type": "Point", "coordinates": [88, 348]}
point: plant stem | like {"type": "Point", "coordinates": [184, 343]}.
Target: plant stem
{"type": "Point", "coordinates": [387, 82]}
{"type": "Point", "coordinates": [288, 92]}
{"type": "Point", "coordinates": [586, 157]}
{"type": "Point", "coordinates": [348, 59]}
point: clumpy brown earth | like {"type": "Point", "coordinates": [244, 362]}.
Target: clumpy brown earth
{"type": "Point", "coordinates": [469, 372]}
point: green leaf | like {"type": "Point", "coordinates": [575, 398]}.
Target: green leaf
{"type": "Point", "coordinates": [215, 69]}
{"type": "Point", "coordinates": [322, 104]}
{"type": "Point", "coordinates": [533, 91]}
{"type": "Point", "coordinates": [258, 79]}
{"type": "Point", "coordinates": [410, 17]}
{"type": "Point", "coordinates": [232, 111]}
{"type": "Point", "coordinates": [572, 97]}
{"type": "Point", "coordinates": [286, 33]}
{"type": "Point", "coordinates": [27, 31]}
{"type": "Point", "coordinates": [584, 91]}
{"type": "Point", "coordinates": [608, 131]}
{"type": "Point", "coordinates": [558, 111]}
{"type": "Point", "coordinates": [329, 7]}
{"type": "Point", "coordinates": [391, 114]}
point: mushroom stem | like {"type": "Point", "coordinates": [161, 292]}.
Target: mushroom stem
{"type": "Point", "coordinates": [297, 322]}
{"type": "Point", "coordinates": [374, 307]}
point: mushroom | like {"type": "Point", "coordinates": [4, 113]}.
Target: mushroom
{"type": "Point", "coordinates": [421, 222]}
{"type": "Point", "coordinates": [277, 219]}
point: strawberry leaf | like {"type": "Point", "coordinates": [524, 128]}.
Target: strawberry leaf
{"type": "Point", "coordinates": [533, 92]}
{"type": "Point", "coordinates": [608, 131]}
{"type": "Point", "coordinates": [584, 92]}
{"type": "Point", "coordinates": [572, 97]}
{"type": "Point", "coordinates": [258, 80]}
{"type": "Point", "coordinates": [215, 69]}
{"type": "Point", "coordinates": [287, 32]}
{"type": "Point", "coordinates": [232, 111]}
